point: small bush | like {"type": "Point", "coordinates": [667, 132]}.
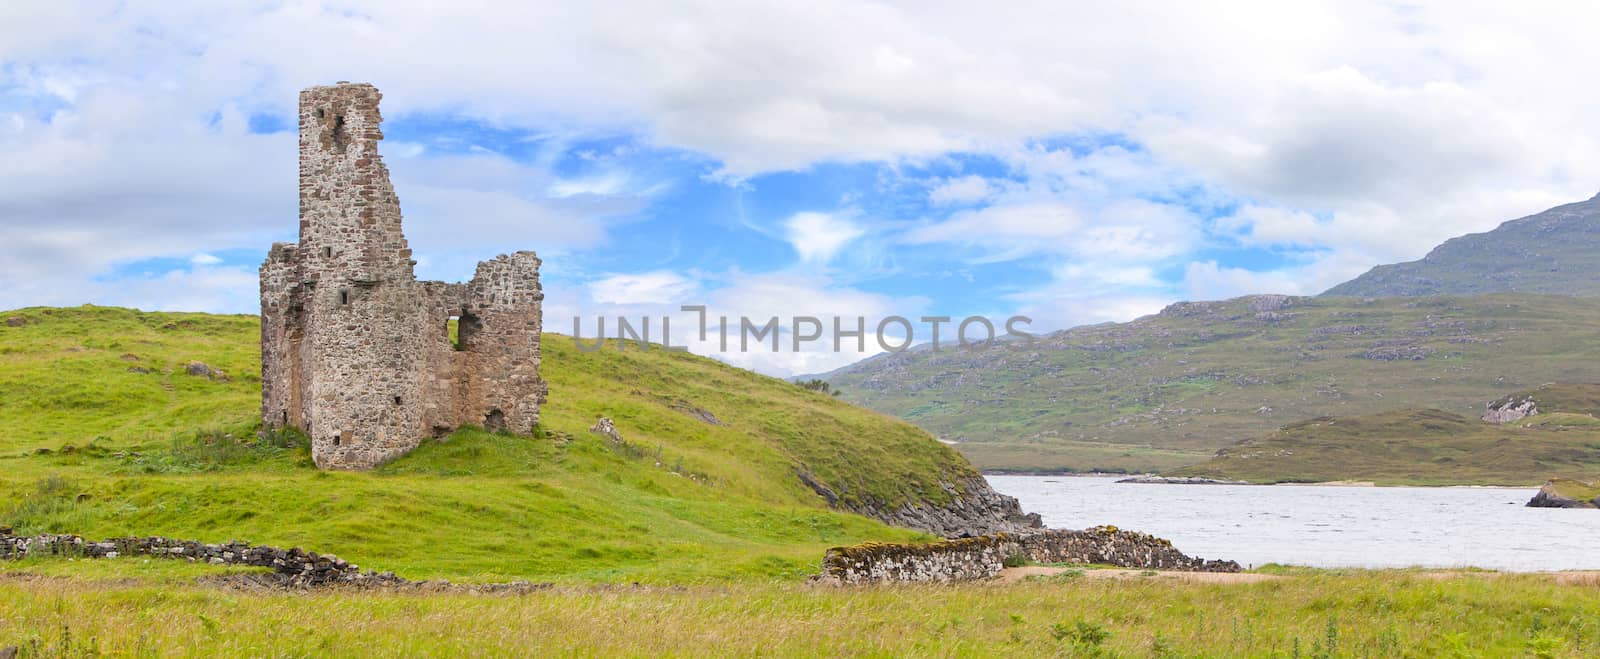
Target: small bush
{"type": "Point", "coordinates": [1081, 632]}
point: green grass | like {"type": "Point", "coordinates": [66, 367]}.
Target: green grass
{"type": "Point", "coordinates": [1309, 614]}
{"type": "Point", "coordinates": [1171, 389]}
{"type": "Point", "coordinates": [1576, 489]}
{"type": "Point", "coordinates": [1424, 447]}
{"type": "Point", "coordinates": [88, 446]}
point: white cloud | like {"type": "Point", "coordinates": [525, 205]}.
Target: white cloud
{"type": "Point", "coordinates": [965, 189]}
{"type": "Point", "coordinates": [608, 184]}
{"type": "Point", "coordinates": [1205, 280]}
{"type": "Point", "coordinates": [1361, 132]}
{"type": "Point", "coordinates": [820, 236]}
{"type": "Point", "coordinates": [1265, 226]}
{"type": "Point", "coordinates": [658, 288]}
{"type": "Point", "coordinates": [1121, 230]}
{"type": "Point", "coordinates": [1032, 225]}
{"type": "Point", "coordinates": [204, 259]}
{"type": "Point", "coordinates": [734, 296]}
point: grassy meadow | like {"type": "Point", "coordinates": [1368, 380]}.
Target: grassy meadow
{"type": "Point", "coordinates": [154, 608]}
{"type": "Point", "coordinates": [693, 538]}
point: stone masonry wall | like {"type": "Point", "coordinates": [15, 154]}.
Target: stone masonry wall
{"type": "Point", "coordinates": [291, 568]}
{"type": "Point", "coordinates": [355, 350]}
{"type": "Point", "coordinates": [984, 557]}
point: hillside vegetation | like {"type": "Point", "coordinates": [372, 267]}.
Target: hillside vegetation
{"type": "Point", "coordinates": [1553, 252]}
{"type": "Point", "coordinates": [1427, 447]}
{"type": "Point", "coordinates": [104, 432]}
{"type": "Point", "coordinates": [1170, 389]}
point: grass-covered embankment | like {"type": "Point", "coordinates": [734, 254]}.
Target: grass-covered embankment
{"type": "Point", "coordinates": [102, 433]}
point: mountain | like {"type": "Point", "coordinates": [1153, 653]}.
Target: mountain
{"type": "Point", "coordinates": [1170, 389]}
{"type": "Point", "coordinates": [120, 422]}
{"type": "Point", "coordinates": [1428, 447]}
{"type": "Point", "coordinates": [1555, 252]}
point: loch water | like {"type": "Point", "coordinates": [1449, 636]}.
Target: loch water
{"type": "Point", "coordinates": [1326, 526]}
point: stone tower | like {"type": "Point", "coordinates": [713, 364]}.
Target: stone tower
{"type": "Point", "coordinates": [355, 351]}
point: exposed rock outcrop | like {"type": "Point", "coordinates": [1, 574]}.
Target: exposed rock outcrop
{"type": "Point", "coordinates": [606, 428]}
{"type": "Point", "coordinates": [204, 370]}
{"type": "Point", "coordinates": [1556, 494]}
{"type": "Point", "coordinates": [983, 557]}
{"type": "Point", "coordinates": [1511, 409]}
{"type": "Point", "coordinates": [974, 509]}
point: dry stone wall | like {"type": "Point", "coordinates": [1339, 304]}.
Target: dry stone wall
{"type": "Point", "coordinates": [985, 556]}
{"type": "Point", "coordinates": [291, 568]}
{"type": "Point", "coordinates": [355, 351]}
{"type": "Point", "coordinates": [299, 567]}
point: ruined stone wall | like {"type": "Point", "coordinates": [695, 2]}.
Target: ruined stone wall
{"type": "Point", "coordinates": [291, 568]}
{"type": "Point", "coordinates": [983, 557]}
{"type": "Point", "coordinates": [355, 350]}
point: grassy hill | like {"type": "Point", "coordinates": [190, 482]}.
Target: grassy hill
{"type": "Point", "coordinates": [1426, 447]}
{"type": "Point", "coordinates": [1555, 252]}
{"type": "Point", "coordinates": [103, 432]}
{"type": "Point", "coordinates": [1170, 389]}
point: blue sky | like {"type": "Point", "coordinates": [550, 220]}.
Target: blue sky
{"type": "Point", "coordinates": [1070, 162]}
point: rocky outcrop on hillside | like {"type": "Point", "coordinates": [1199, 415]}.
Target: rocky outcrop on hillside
{"type": "Point", "coordinates": [1564, 493]}
{"type": "Point", "coordinates": [973, 509]}
{"type": "Point", "coordinates": [1511, 409]}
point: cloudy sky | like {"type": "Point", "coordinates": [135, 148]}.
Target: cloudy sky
{"type": "Point", "coordinates": [1073, 162]}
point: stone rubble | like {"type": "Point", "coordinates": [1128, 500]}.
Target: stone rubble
{"type": "Point", "coordinates": [984, 557]}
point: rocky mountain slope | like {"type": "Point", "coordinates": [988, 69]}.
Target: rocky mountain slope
{"type": "Point", "coordinates": [1555, 252]}
{"type": "Point", "coordinates": [1170, 389]}
{"type": "Point", "coordinates": [118, 422]}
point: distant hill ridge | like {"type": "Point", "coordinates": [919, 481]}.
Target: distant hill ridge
{"type": "Point", "coordinates": [1481, 316]}
{"type": "Point", "coordinates": [1423, 446]}
{"type": "Point", "coordinates": [1555, 252]}
{"type": "Point", "coordinates": [1169, 389]}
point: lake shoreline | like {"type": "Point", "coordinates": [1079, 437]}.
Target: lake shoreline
{"type": "Point", "coordinates": [1326, 526]}
{"type": "Point", "coordinates": [1184, 480]}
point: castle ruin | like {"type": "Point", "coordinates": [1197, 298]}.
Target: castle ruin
{"type": "Point", "coordinates": [355, 352]}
